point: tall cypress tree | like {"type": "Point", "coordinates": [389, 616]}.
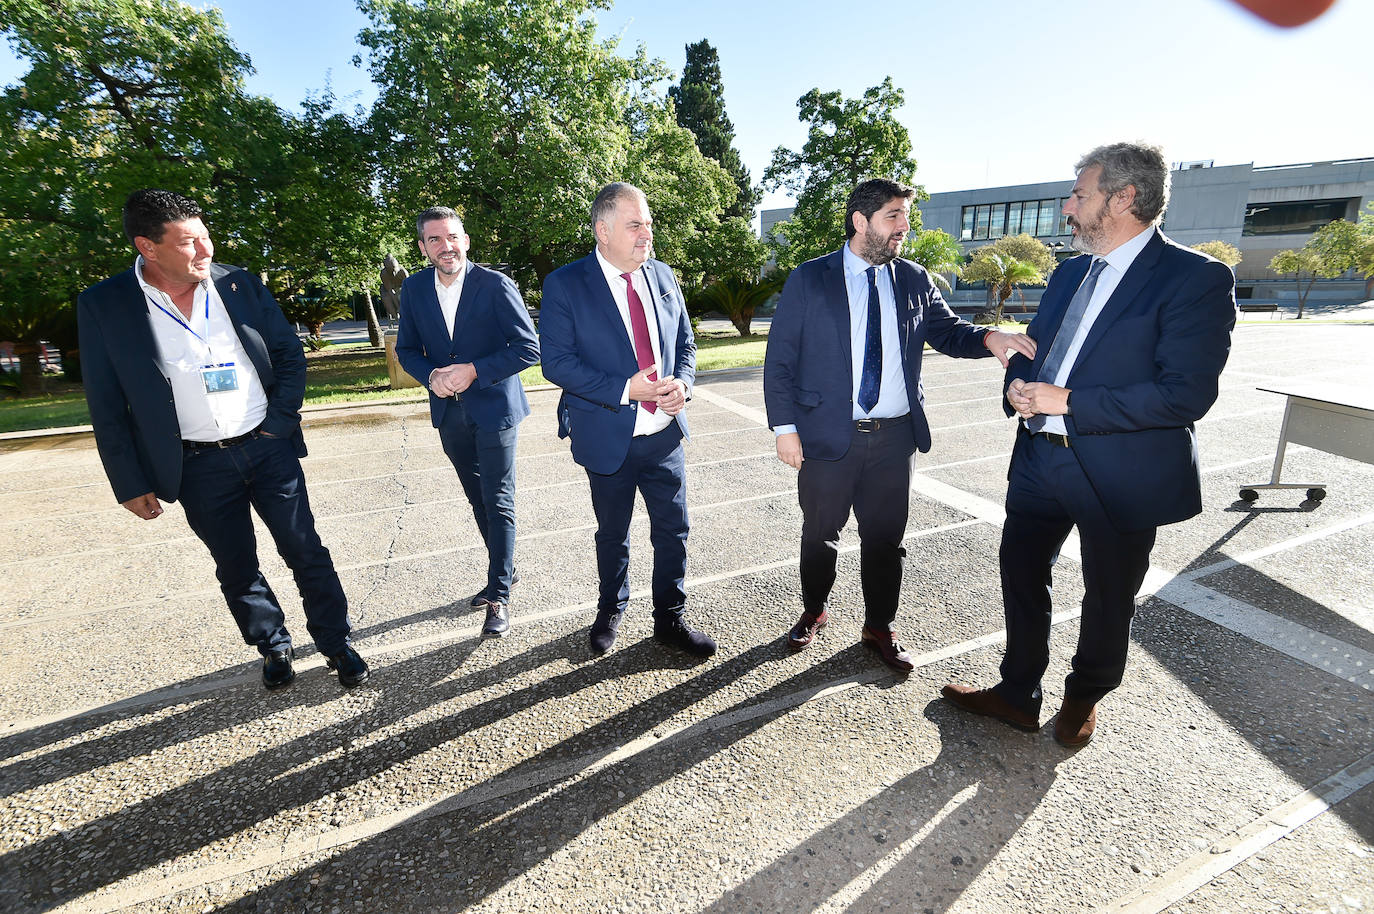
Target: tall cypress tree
{"type": "Point", "coordinates": [700, 102]}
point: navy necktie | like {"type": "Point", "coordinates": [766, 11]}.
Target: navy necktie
{"type": "Point", "coordinates": [870, 382]}
{"type": "Point", "coordinates": [1068, 329]}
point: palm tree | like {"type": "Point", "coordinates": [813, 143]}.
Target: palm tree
{"type": "Point", "coordinates": [737, 298]}
{"type": "Point", "coordinates": [938, 252]}
{"type": "Point", "coordinates": [1004, 275]}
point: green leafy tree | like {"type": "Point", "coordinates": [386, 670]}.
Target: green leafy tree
{"type": "Point", "coordinates": [1332, 249]}
{"type": "Point", "coordinates": [1004, 275]}
{"type": "Point", "coordinates": [1228, 254]}
{"type": "Point", "coordinates": [730, 250]}
{"type": "Point", "coordinates": [848, 141]}
{"type": "Point", "coordinates": [938, 252]}
{"type": "Point", "coordinates": [699, 102]}
{"type": "Point", "coordinates": [1364, 258]}
{"type": "Point", "coordinates": [738, 298]}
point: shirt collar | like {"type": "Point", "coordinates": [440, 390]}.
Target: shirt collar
{"type": "Point", "coordinates": [855, 266]}
{"type": "Point", "coordinates": [1123, 255]}
{"type": "Point", "coordinates": [152, 290]}
{"type": "Point", "coordinates": [612, 273]}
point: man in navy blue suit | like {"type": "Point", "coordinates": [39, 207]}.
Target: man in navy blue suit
{"type": "Point", "coordinates": [842, 386]}
{"type": "Point", "coordinates": [617, 339]}
{"type": "Point", "coordinates": [1133, 338]}
{"type": "Point", "coordinates": [465, 335]}
{"type": "Point", "coordinates": [195, 380]}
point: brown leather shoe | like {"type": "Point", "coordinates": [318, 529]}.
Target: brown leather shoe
{"type": "Point", "coordinates": [989, 703]}
{"type": "Point", "coordinates": [1074, 726]}
{"type": "Point", "coordinates": [804, 632]}
{"type": "Point", "coordinates": [884, 642]}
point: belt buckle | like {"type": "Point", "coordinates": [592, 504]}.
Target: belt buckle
{"type": "Point", "coordinates": [866, 425]}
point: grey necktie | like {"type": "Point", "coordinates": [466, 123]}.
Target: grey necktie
{"type": "Point", "coordinates": [1068, 329]}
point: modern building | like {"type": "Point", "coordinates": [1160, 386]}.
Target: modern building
{"type": "Point", "coordinates": [1260, 210]}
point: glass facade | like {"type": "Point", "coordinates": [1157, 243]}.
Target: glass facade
{"type": "Point", "coordinates": [1298, 218]}
{"type": "Point", "coordinates": [986, 221]}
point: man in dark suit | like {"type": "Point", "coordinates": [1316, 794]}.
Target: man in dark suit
{"type": "Point", "coordinates": [195, 380]}
{"type": "Point", "coordinates": [842, 386]}
{"type": "Point", "coordinates": [465, 334]}
{"type": "Point", "coordinates": [1140, 332]}
{"type": "Point", "coordinates": [616, 337]}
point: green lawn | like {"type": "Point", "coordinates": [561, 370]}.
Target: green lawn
{"type": "Point", "coordinates": [340, 374]}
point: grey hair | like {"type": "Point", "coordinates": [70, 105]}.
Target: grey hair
{"type": "Point", "coordinates": [605, 203]}
{"type": "Point", "coordinates": [435, 214]}
{"type": "Point", "coordinates": [1139, 165]}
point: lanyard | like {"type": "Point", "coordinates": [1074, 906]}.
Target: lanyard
{"type": "Point", "coordinates": [183, 324]}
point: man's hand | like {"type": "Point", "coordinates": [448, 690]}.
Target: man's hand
{"type": "Point", "coordinates": [145, 506]}
{"type": "Point", "coordinates": [790, 450]}
{"type": "Point", "coordinates": [672, 395]}
{"type": "Point", "coordinates": [1018, 400]}
{"type": "Point", "coordinates": [452, 379]}
{"type": "Point", "coordinates": [1003, 344]}
{"type": "Point", "coordinates": [643, 387]}
{"type": "Point", "coordinates": [1045, 399]}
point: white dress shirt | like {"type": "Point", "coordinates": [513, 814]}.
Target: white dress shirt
{"type": "Point", "coordinates": [449, 295]}
{"type": "Point", "coordinates": [1119, 260]}
{"type": "Point", "coordinates": [187, 346]}
{"type": "Point", "coordinates": [646, 422]}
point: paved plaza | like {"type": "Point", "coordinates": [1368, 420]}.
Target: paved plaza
{"type": "Point", "coordinates": [144, 767]}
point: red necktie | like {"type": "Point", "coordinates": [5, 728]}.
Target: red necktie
{"type": "Point", "coordinates": [639, 324]}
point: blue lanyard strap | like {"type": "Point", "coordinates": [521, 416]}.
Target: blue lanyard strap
{"type": "Point", "coordinates": [183, 324]}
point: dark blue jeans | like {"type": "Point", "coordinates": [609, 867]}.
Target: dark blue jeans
{"type": "Point", "coordinates": [217, 487]}
{"type": "Point", "coordinates": [485, 461]}
{"type": "Point", "coordinates": [1047, 496]}
{"type": "Point", "coordinates": [656, 467]}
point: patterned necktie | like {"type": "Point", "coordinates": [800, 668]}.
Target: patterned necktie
{"type": "Point", "coordinates": [870, 382]}
{"type": "Point", "coordinates": [1068, 329]}
{"type": "Point", "coordinates": [644, 350]}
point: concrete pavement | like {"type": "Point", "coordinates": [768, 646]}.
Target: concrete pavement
{"type": "Point", "coordinates": [143, 767]}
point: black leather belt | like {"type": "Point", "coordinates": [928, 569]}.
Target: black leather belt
{"type": "Point", "coordinates": [873, 425]}
{"type": "Point", "coordinates": [227, 442]}
{"type": "Point", "coordinates": [1053, 438]}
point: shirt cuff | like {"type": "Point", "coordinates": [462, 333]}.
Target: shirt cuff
{"type": "Point", "coordinates": [625, 396]}
{"type": "Point", "coordinates": [784, 430]}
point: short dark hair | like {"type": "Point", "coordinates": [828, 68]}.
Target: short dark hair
{"type": "Point", "coordinates": [869, 197]}
{"type": "Point", "coordinates": [1138, 165]}
{"type": "Point", "coordinates": [434, 214]}
{"type": "Point", "coordinates": [147, 212]}
{"type": "Point", "coordinates": [611, 195]}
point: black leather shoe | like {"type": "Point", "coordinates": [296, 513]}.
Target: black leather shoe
{"type": "Point", "coordinates": [804, 632]}
{"type": "Point", "coordinates": [884, 642]}
{"type": "Point", "coordinates": [352, 669]}
{"type": "Point", "coordinates": [604, 631]}
{"type": "Point", "coordinates": [675, 632]}
{"type": "Point", "coordinates": [481, 598]}
{"type": "Point", "coordinates": [498, 620]}
{"type": "Point", "coordinates": [277, 671]}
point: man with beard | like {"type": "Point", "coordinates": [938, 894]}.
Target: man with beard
{"type": "Point", "coordinates": [1141, 331]}
{"type": "Point", "coordinates": [842, 386]}
{"type": "Point", "coordinates": [465, 335]}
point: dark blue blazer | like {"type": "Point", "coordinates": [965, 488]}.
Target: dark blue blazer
{"type": "Point", "coordinates": [808, 378]}
{"type": "Point", "coordinates": [492, 330]}
{"type": "Point", "coordinates": [132, 412]}
{"type": "Point", "coordinates": [588, 353]}
{"type": "Point", "coordinates": [1147, 371]}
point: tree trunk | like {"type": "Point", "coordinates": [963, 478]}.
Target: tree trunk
{"type": "Point", "coordinates": [742, 320]}
{"type": "Point", "coordinates": [30, 368]}
{"type": "Point", "coordinates": [374, 328]}
{"type": "Point", "coordinates": [316, 328]}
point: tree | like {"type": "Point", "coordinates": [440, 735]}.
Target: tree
{"type": "Point", "coordinates": [848, 141]}
{"type": "Point", "coordinates": [938, 252]}
{"type": "Point", "coordinates": [1332, 249]}
{"type": "Point", "coordinates": [1228, 254]}
{"type": "Point", "coordinates": [1004, 275]}
{"type": "Point", "coordinates": [699, 102]}
{"type": "Point", "coordinates": [1364, 258]}
{"type": "Point", "coordinates": [738, 298]}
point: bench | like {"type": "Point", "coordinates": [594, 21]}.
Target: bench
{"type": "Point", "coordinates": [1259, 309]}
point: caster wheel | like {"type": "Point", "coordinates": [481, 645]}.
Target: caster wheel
{"type": "Point", "coordinates": [1248, 495]}
{"type": "Point", "coordinates": [1316, 494]}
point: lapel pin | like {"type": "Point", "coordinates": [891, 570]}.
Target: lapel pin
{"type": "Point", "coordinates": [233, 287]}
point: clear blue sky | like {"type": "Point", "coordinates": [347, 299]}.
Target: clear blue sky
{"type": "Point", "coordinates": [997, 91]}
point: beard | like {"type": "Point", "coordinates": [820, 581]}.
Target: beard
{"type": "Point", "coordinates": [1091, 235]}
{"type": "Point", "coordinates": [878, 250]}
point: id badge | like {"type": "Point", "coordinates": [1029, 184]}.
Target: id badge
{"type": "Point", "coordinates": [219, 378]}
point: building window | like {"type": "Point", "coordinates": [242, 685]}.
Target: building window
{"type": "Point", "coordinates": [1297, 218]}
{"type": "Point", "coordinates": [966, 230]}
{"type": "Point", "coordinates": [993, 220]}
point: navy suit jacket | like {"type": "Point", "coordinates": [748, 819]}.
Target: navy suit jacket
{"type": "Point", "coordinates": [808, 373]}
{"type": "Point", "coordinates": [492, 330]}
{"type": "Point", "coordinates": [588, 353]}
{"type": "Point", "coordinates": [132, 411]}
{"type": "Point", "coordinates": [1147, 371]}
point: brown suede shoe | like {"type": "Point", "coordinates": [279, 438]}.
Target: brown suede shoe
{"type": "Point", "coordinates": [804, 632]}
{"type": "Point", "coordinates": [1074, 726]}
{"type": "Point", "coordinates": [989, 704]}
{"type": "Point", "coordinates": [885, 644]}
